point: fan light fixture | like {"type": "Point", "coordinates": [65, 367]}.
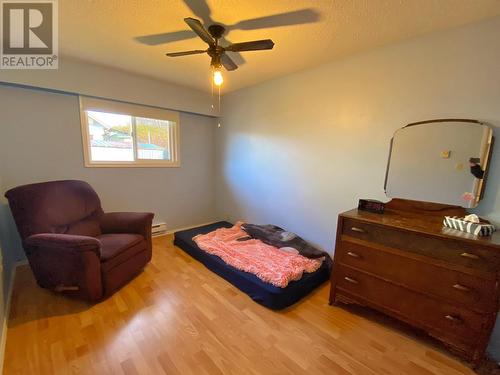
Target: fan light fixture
{"type": "Point", "coordinates": [218, 79]}
{"type": "Point", "coordinates": [214, 33]}
{"type": "Point", "coordinates": [217, 53]}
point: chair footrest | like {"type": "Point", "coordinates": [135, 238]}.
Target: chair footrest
{"type": "Point", "coordinates": [62, 288]}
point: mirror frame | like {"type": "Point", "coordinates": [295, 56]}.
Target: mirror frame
{"type": "Point", "coordinates": [482, 183]}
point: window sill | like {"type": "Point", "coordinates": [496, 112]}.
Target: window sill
{"type": "Point", "coordinates": [133, 165]}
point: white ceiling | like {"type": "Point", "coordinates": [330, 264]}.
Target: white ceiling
{"type": "Point", "coordinates": [103, 31]}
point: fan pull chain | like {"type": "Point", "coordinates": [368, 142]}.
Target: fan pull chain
{"type": "Point", "coordinates": [212, 105]}
{"type": "Point", "coordinates": [212, 89]}
{"type": "Point", "coordinates": [219, 100]}
{"type": "Point", "coordinates": [212, 83]}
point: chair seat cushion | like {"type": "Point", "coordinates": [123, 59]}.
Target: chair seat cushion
{"type": "Point", "coordinates": [118, 249]}
{"type": "Point", "coordinates": [114, 244]}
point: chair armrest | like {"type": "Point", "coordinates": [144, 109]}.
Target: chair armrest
{"type": "Point", "coordinates": [66, 262]}
{"type": "Point", "coordinates": [127, 222]}
{"type": "Point", "coordinates": [65, 242]}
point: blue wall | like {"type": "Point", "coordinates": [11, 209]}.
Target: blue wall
{"type": "Point", "coordinates": [298, 150]}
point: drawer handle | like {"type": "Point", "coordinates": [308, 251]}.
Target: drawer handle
{"type": "Point", "coordinates": [351, 280]}
{"type": "Point", "coordinates": [469, 256]}
{"type": "Point", "coordinates": [356, 229]}
{"type": "Point", "coordinates": [454, 319]}
{"type": "Point", "coordinates": [354, 255]}
{"type": "Point", "coordinates": [461, 287]}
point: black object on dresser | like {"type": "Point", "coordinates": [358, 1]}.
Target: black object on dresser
{"type": "Point", "coordinates": [405, 264]}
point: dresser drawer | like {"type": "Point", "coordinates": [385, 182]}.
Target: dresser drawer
{"type": "Point", "coordinates": [447, 319]}
{"type": "Point", "coordinates": [456, 252]}
{"type": "Point", "coordinates": [474, 292]}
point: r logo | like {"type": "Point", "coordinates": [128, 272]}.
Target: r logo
{"type": "Point", "coordinates": [27, 28]}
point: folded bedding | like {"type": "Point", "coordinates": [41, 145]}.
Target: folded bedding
{"type": "Point", "coordinates": [282, 239]}
{"type": "Point", "coordinates": [269, 263]}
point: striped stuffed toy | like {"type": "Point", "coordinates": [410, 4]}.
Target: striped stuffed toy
{"type": "Point", "coordinates": [478, 229]}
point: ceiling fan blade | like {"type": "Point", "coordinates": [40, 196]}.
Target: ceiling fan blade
{"type": "Point", "coordinates": [296, 17]}
{"type": "Point", "coordinates": [198, 28]}
{"type": "Point", "coordinates": [156, 39]}
{"type": "Point", "coordinates": [255, 45]}
{"type": "Point", "coordinates": [228, 63]}
{"type": "Point", "coordinates": [235, 56]}
{"type": "Point", "coordinates": [186, 53]}
{"type": "Point", "coordinates": [200, 9]}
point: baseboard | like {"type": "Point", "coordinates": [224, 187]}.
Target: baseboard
{"type": "Point", "coordinates": [190, 227]}
{"type": "Point", "coordinates": [3, 339]}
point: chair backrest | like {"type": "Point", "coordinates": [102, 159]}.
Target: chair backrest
{"type": "Point", "coordinates": [68, 206]}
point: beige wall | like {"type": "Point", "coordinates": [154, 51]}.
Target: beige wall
{"type": "Point", "coordinates": [298, 150]}
{"type": "Point", "coordinates": [41, 140]}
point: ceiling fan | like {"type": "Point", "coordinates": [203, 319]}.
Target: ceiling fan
{"type": "Point", "coordinates": [217, 53]}
{"type": "Point", "coordinates": [214, 34]}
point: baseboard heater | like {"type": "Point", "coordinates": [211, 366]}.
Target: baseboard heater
{"type": "Point", "coordinates": [158, 229]}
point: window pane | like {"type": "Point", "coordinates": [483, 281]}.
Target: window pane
{"type": "Point", "coordinates": [110, 136]}
{"type": "Point", "coordinates": [153, 139]}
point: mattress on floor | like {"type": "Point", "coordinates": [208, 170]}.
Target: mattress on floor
{"type": "Point", "coordinates": [264, 293]}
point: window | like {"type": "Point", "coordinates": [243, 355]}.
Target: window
{"type": "Point", "coordinates": [117, 134]}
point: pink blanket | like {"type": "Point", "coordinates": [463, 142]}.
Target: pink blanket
{"type": "Point", "coordinates": [268, 263]}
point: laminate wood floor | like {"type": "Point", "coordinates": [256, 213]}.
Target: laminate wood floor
{"type": "Point", "coordinates": [177, 317]}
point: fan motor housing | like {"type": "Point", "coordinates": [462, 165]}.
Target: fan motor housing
{"type": "Point", "coordinates": [216, 31]}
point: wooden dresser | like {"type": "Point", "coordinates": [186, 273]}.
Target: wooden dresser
{"type": "Point", "coordinates": [406, 264]}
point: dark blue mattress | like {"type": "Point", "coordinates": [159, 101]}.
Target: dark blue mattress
{"type": "Point", "coordinates": [261, 292]}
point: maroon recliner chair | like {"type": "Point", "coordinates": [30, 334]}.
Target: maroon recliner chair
{"type": "Point", "coordinates": [72, 245]}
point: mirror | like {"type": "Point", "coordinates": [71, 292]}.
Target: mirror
{"type": "Point", "coordinates": [441, 161]}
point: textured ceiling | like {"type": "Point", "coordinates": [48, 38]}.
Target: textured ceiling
{"type": "Point", "coordinates": [103, 31]}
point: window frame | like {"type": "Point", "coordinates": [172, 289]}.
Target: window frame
{"type": "Point", "coordinates": [88, 103]}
